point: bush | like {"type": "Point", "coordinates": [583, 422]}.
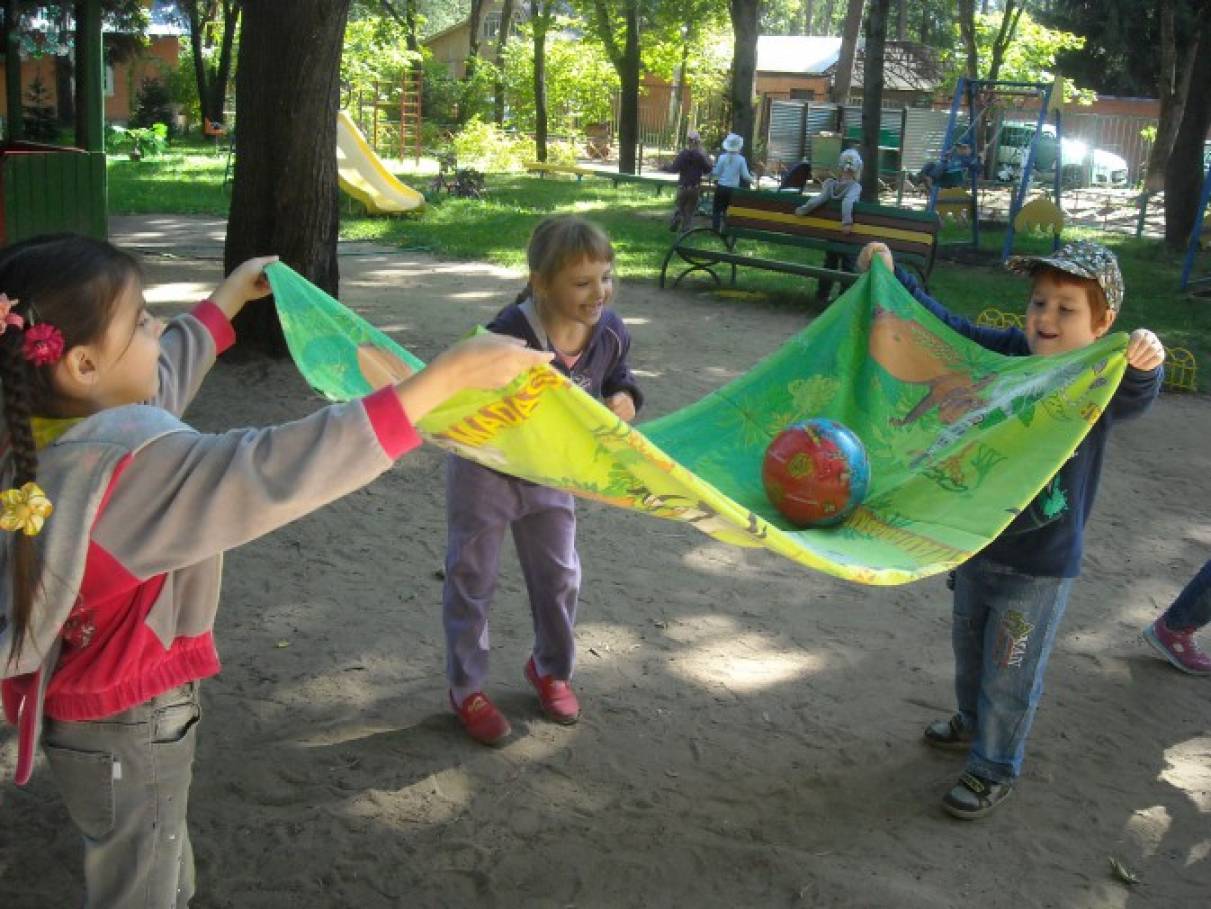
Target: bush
{"type": "Point", "coordinates": [140, 141]}
{"type": "Point", "coordinates": [153, 106]}
{"type": "Point", "coordinates": [38, 114]}
{"type": "Point", "coordinates": [489, 148]}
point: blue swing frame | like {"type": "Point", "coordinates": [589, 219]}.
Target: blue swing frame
{"type": "Point", "coordinates": [1195, 235]}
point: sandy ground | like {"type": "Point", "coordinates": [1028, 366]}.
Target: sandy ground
{"type": "Point", "coordinates": [751, 731]}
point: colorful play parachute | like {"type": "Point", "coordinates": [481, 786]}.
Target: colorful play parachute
{"type": "Point", "coordinates": [959, 439]}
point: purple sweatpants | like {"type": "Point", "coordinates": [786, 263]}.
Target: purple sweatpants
{"type": "Point", "coordinates": [481, 505]}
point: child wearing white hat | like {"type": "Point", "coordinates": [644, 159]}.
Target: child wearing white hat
{"type": "Point", "coordinates": [729, 170]}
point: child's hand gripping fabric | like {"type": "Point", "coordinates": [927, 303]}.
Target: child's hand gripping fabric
{"type": "Point", "coordinates": [245, 283]}
{"type": "Point", "coordinates": [870, 250]}
{"type": "Point", "coordinates": [622, 405]}
{"type": "Point", "coordinates": [1145, 351]}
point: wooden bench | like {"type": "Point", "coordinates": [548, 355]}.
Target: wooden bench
{"type": "Point", "coordinates": [769, 217]}
{"type": "Point", "coordinates": [542, 168]}
{"type": "Point", "coordinates": [658, 183]}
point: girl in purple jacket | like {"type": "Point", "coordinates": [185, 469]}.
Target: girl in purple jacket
{"type": "Point", "coordinates": [564, 310]}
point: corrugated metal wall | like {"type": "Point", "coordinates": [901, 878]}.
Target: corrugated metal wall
{"type": "Point", "coordinates": [792, 125]}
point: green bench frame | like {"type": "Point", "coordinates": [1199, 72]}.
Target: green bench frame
{"type": "Point", "coordinates": [769, 217]}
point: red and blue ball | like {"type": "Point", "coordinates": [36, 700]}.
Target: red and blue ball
{"type": "Point", "coordinates": [816, 472]}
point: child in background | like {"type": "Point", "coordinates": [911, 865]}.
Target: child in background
{"type": "Point", "coordinates": [118, 515]}
{"type": "Point", "coordinates": [730, 169]}
{"type": "Point", "coordinates": [563, 309]}
{"type": "Point", "coordinates": [690, 165]}
{"type": "Point", "coordinates": [1010, 598]}
{"type": "Point", "coordinates": [847, 190]}
{"type": "Point", "coordinates": [1172, 634]}
{"type": "Point", "coordinates": [954, 168]}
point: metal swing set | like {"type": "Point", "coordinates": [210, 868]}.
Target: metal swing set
{"type": "Point", "coordinates": [1197, 285]}
{"type": "Point", "coordinates": [985, 103]}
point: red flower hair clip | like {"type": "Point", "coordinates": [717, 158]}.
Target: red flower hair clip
{"type": "Point", "coordinates": [43, 344]}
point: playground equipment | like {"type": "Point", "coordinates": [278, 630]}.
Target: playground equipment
{"type": "Point", "coordinates": [363, 175]}
{"type": "Point", "coordinates": [1197, 285]}
{"type": "Point", "coordinates": [987, 102]}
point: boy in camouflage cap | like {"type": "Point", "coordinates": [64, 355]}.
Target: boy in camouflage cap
{"type": "Point", "coordinates": [1010, 598]}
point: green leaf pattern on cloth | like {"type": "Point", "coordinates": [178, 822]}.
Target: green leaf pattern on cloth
{"type": "Point", "coordinates": [959, 439]}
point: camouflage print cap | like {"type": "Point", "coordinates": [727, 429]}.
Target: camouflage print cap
{"type": "Point", "coordinates": [1083, 259]}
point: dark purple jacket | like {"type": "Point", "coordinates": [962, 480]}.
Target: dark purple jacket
{"type": "Point", "coordinates": [602, 368]}
{"type": "Point", "coordinates": [690, 166]}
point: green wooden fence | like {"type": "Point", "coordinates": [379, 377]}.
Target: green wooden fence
{"type": "Point", "coordinates": [44, 189]}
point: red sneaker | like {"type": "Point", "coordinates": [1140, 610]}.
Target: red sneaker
{"type": "Point", "coordinates": [483, 721]}
{"type": "Point", "coordinates": [558, 701]}
{"type": "Point", "coordinates": [1178, 647]}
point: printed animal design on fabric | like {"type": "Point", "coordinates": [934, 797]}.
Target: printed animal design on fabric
{"type": "Point", "coordinates": [1012, 639]}
{"type": "Point", "coordinates": [692, 511]}
{"type": "Point", "coordinates": [1054, 500]}
{"type": "Point", "coordinates": [912, 354]}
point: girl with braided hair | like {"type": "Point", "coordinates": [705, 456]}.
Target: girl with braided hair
{"type": "Point", "coordinates": [118, 515]}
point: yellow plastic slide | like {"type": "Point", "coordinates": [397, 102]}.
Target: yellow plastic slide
{"type": "Point", "coordinates": [362, 174]}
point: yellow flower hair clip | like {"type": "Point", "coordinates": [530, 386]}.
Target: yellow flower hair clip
{"type": "Point", "coordinates": [25, 509]}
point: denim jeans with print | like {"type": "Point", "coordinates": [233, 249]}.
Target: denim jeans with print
{"type": "Point", "coordinates": [1192, 608]}
{"type": "Point", "coordinates": [1004, 628]}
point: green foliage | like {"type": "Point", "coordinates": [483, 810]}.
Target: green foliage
{"type": "Point", "coordinates": [580, 83]}
{"type": "Point", "coordinates": [1030, 56]}
{"type": "Point", "coordinates": [375, 50]}
{"type": "Point", "coordinates": [182, 86]}
{"type": "Point", "coordinates": [38, 114]}
{"type": "Point", "coordinates": [140, 141]}
{"type": "Point", "coordinates": [487, 147]}
{"type": "Point", "coordinates": [153, 106]}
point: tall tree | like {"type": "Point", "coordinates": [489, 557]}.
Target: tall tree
{"type": "Point", "coordinates": [745, 14]}
{"type": "Point", "coordinates": [844, 78]}
{"type": "Point", "coordinates": [967, 35]}
{"type": "Point", "coordinates": [1184, 171]}
{"type": "Point", "coordinates": [902, 20]}
{"type": "Point", "coordinates": [1173, 87]}
{"type": "Point", "coordinates": [203, 15]}
{"type": "Point", "coordinates": [502, 39]}
{"type": "Point", "coordinates": [1011, 15]}
{"type": "Point", "coordinates": [606, 17]}
{"type": "Point", "coordinates": [473, 25]}
{"type": "Point", "coordinates": [872, 94]}
{"type": "Point", "coordinates": [542, 17]}
{"type": "Point", "coordinates": [809, 8]}
{"type": "Point", "coordinates": [285, 199]}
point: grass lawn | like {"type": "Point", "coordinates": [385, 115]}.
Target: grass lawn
{"type": "Point", "coordinates": [189, 180]}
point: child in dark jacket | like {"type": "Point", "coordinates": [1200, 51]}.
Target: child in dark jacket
{"type": "Point", "coordinates": [1010, 598]}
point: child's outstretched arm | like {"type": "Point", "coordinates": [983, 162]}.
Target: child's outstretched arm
{"type": "Point", "coordinates": [187, 496]}
{"type": "Point", "coordinates": [190, 343]}
{"type": "Point", "coordinates": [1141, 382]}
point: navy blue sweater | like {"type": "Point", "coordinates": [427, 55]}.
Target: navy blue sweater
{"type": "Point", "coordinates": [602, 368]}
{"type": "Point", "coordinates": [1047, 538]}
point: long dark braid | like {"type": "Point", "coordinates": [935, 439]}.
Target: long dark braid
{"type": "Point", "coordinates": [73, 283]}
{"type": "Point", "coordinates": [14, 376]}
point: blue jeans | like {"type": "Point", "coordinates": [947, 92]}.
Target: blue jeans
{"type": "Point", "coordinates": [1004, 628]}
{"type": "Point", "coordinates": [1192, 608]}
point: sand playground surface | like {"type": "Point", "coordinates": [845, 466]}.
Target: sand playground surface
{"type": "Point", "coordinates": [751, 731]}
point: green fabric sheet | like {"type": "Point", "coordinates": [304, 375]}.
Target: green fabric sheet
{"type": "Point", "coordinates": [959, 439]}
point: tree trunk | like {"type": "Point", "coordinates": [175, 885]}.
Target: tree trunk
{"type": "Point", "coordinates": [473, 23]}
{"type": "Point", "coordinates": [1010, 17]}
{"type": "Point", "coordinates": [219, 79]}
{"type": "Point", "coordinates": [745, 25]}
{"type": "Point", "coordinates": [1172, 89]}
{"type": "Point", "coordinates": [199, 61]}
{"type": "Point", "coordinates": [1184, 171]}
{"type": "Point", "coordinates": [967, 34]}
{"type": "Point", "coordinates": [502, 38]}
{"type": "Point", "coordinates": [65, 107]}
{"type": "Point", "coordinates": [809, 8]}
{"type": "Point", "coordinates": [285, 199]}
{"type": "Point", "coordinates": [872, 96]}
{"type": "Point", "coordinates": [410, 26]}
{"type": "Point", "coordinates": [902, 21]}
{"type": "Point", "coordinates": [540, 19]}
{"type": "Point", "coordinates": [628, 125]}
{"type": "Point", "coordinates": [844, 77]}
{"type": "Point", "coordinates": [827, 26]}
{"type": "Point", "coordinates": [626, 63]}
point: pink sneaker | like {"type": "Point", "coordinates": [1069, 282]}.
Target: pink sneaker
{"type": "Point", "coordinates": [1178, 647]}
{"type": "Point", "coordinates": [483, 721]}
{"type": "Point", "coordinates": [558, 701]}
